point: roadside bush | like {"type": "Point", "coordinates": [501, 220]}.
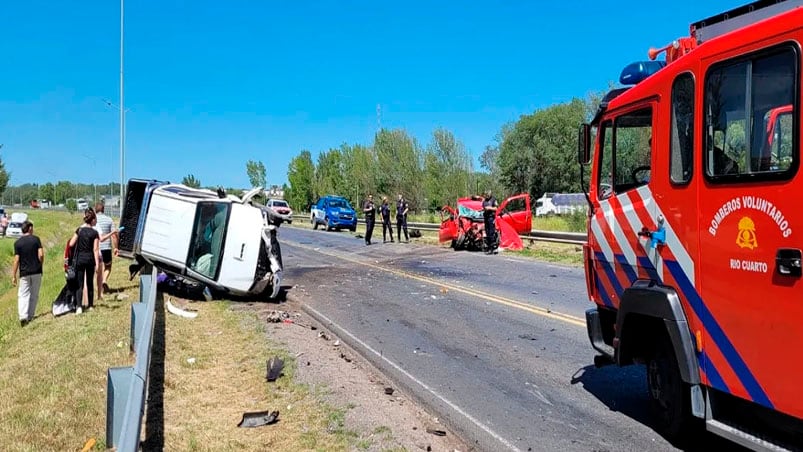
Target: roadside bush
{"type": "Point", "coordinates": [71, 205]}
{"type": "Point", "coordinates": [577, 220]}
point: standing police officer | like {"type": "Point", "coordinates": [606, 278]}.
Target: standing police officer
{"type": "Point", "coordinates": [370, 215]}
{"type": "Point", "coordinates": [489, 207]}
{"type": "Point", "coordinates": [385, 211]}
{"type": "Point", "coordinates": [401, 218]}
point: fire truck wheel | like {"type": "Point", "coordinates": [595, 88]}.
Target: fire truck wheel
{"type": "Point", "coordinates": [669, 396]}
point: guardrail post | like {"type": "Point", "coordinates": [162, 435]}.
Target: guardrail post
{"type": "Point", "coordinates": [126, 387]}
{"type": "Point", "coordinates": [118, 385]}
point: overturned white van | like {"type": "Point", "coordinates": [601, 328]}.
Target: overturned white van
{"type": "Point", "coordinates": [224, 242]}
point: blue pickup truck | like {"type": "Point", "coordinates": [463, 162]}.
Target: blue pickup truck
{"type": "Point", "coordinates": [333, 212]}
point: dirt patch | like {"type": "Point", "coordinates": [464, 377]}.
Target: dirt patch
{"type": "Point", "coordinates": [376, 415]}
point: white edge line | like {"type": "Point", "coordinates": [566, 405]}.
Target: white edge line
{"type": "Point", "coordinates": [459, 410]}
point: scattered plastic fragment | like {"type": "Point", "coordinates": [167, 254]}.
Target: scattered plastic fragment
{"type": "Point", "coordinates": [88, 445]}
{"type": "Point", "coordinates": [277, 316]}
{"type": "Point", "coordinates": [180, 312]}
{"type": "Point", "coordinates": [258, 419]}
{"type": "Point", "coordinates": [275, 366]}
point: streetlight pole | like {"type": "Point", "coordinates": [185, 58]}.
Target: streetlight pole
{"type": "Point", "coordinates": [122, 108]}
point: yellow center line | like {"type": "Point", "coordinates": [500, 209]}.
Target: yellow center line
{"type": "Point", "coordinates": [544, 312]}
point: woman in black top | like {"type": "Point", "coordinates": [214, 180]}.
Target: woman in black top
{"type": "Point", "coordinates": [87, 243]}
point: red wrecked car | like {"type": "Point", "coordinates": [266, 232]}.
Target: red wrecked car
{"type": "Point", "coordinates": [465, 228]}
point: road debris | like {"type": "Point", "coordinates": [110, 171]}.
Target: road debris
{"type": "Point", "coordinates": [528, 337]}
{"type": "Point", "coordinates": [186, 313]}
{"type": "Point", "coordinates": [323, 335]}
{"type": "Point", "coordinates": [190, 360]}
{"type": "Point", "coordinates": [277, 316]}
{"type": "Point", "coordinates": [345, 358]}
{"type": "Point", "coordinates": [336, 343]}
{"type": "Point", "coordinates": [258, 419]}
{"type": "Point", "coordinates": [89, 445]}
{"type": "Point", "coordinates": [436, 432]}
{"type": "Point", "coordinates": [275, 366]}
{"type": "Point", "coordinates": [389, 390]}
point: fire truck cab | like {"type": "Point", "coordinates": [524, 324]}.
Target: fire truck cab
{"type": "Point", "coordinates": [695, 230]}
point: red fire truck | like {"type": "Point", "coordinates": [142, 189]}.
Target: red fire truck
{"type": "Point", "coordinates": [693, 258]}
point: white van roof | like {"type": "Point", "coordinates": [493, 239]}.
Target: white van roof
{"type": "Point", "coordinates": [19, 217]}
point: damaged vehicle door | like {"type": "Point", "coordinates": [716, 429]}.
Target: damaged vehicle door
{"type": "Point", "coordinates": [222, 241]}
{"type": "Point", "coordinates": [516, 211]}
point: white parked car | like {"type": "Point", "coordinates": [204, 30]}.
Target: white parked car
{"type": "Point", "coordinates": [15, 224]}
{"type": "Point", "coordinates": [221, 241]}
{"type": "Point", "coordinates": [281, 207]}
{"type": "Point", "coordinates": [81, 204]}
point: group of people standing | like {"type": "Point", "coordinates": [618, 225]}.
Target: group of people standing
{"type": "Point", "coordinates": [369, 210]}
{"type": "Point", "coordinates": [88, 260]}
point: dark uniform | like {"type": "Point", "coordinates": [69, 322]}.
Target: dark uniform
{"type": "Point", "coordinates": [401, 219]}
{"type": "Point", "coordinates": [370, 217]}
{"type": "Point", "coordinates": [490, 222]}
{"type": "Point", "coordinates": [386, 225]}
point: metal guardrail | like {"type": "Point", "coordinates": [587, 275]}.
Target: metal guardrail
{"type": "Point", "coordinates": [574, 238]}
{"type": "Point", "coordinates": [126, 387]}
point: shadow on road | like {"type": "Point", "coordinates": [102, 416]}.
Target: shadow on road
{"type": "Point", "coordinates": [624, 390]}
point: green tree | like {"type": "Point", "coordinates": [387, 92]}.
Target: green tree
{"type": "Point", "coordinates": [190, 181]}
{"type": "Point", "coordinates": [256, 173]}
{"type": "Point", "coordinates": [47, 191]}
{"type": "Point", "coordinates": [71, 205]}
{"type": "Point", "coordinates": [448, 169]}
{"type": "Point", "coordinates": [399, 166]}
{"type": "Point", "coordinates": [329, 178]}
{"type": "Point", "coordinates": [301, 176]}
{"type": "Point", "coordinates": [539, 153]}
{"type": "Point", "coordinates": [4, 176]}
{"type": "Point", "coordinates": [63, 191]}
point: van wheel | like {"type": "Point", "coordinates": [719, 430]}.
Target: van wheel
{"type": "Point", "coordinates": [670, 400]}
{"type": "Point", "coordinates": [314, 223]}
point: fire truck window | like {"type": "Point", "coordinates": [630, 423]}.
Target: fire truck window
{"type": "Point", "coordinates": [682, 138]}
{"type": "Point", "coordinates": [605, 188]}
{"type": "Point", "coordinates": [632, 150]}
{"type": "Point", "coordinates": [749, 116]}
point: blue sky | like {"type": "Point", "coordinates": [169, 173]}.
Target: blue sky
{"type": "Point", "coordinates": [211, 84]}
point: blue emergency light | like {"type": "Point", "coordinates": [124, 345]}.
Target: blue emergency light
{"type": "Point", "coordinates": [634, 73]}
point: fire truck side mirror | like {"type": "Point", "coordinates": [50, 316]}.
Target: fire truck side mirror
{"type": "Point", "coordinates": [584, 144]}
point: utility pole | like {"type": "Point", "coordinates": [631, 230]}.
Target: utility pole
{"type": "Point", "coordinates": [122, 108]}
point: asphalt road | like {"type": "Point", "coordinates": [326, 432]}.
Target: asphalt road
{"type": "Point", "coordinates": [496, 345]}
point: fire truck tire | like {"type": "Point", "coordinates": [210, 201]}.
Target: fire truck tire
{"type": "Point", "coordinates": [670, 400]}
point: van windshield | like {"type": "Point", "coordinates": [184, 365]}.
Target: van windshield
{"type": "Point", "coordinates": [208, 238]}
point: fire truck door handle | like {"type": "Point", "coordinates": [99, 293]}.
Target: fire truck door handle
{"type": "Point", "coordinates": [788, 262]}
{"type": "Point", "coordinates": [656, 238]}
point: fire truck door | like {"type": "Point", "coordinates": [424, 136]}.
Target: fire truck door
{"type": "Point", "coordinates": [626, 205]}
{"type": "Point", "coordinates": [751, 233]}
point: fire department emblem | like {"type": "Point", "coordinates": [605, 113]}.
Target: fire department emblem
{"type": "Point", "coordinates": [747, 234]}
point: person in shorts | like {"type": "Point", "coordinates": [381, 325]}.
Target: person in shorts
{"type": "Point", "coordinates": [108, 248]}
